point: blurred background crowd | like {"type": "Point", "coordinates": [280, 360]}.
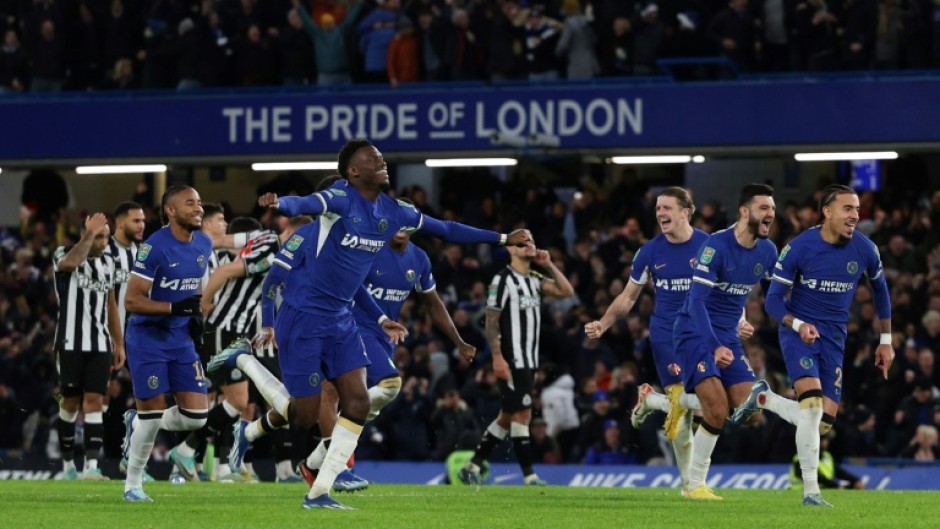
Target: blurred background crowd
{"type": "Point", "coordinates": [585, 388]}
{"type": "Point", "coordinates": [81, 45]}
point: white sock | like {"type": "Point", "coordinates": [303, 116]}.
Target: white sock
{"type": "Point", "coordinates": [682, 446]}
{"type": "Point", "coordinates": [222, 470]}
{"type": "Point", "coordinates": [141, 445]}
{"type": "Point", "coordinates": [254, 431]}
{"type": "Point", "coordinates": [90, 464]}
{"type": "Point", "coordinates": [703, 445]}
{"type": "Point", "coordinates": [177, 420]}
{"type": "Point", "coordinates": [657, 401]}
{"type": "Point", "coordinates": [284, 469]}
{"type": "Point", "coordinates": [342, 445]}
{"type": "Point", "coordinates": [807, 447]}
{"type": "Point", "coordinates": [315, 459]}
{"type": "Point", "coordinates": [786, 409]}
{"type": "Point", "coordinates": [68, 464]}
{"type": "Point", "coordinates": [268, 385]}
{"type": "Point", "coordinates": [690, 401]}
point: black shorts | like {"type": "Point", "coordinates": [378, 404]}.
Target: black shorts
{"type": "Point", "coordinates": [516, 394]}
{"type": "Point", "coordinates": [83, 372]}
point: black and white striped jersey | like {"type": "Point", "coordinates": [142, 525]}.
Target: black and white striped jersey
{"type": "Point", "coordinates": [519, 297]}
{"type": "Point", "coordinates": [83, 304]}
{"type": "Point", "coordinates": [124, 257]}
{"type": "Point", "coordinates": [237, 304]}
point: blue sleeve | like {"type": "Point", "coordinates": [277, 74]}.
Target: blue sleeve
{"type": "Point", "coordinates": [704, 277]}
{"type": "Point", "coordinates": [879, 286]}
{"type": "Point", "coordinates": [776, 304]}
{"type": "Point", "coordinates": [148, 262]}
{"type": "Point", "coordinates": [639, 274]}
{"type": "Point", "coordinates": [699, 312]}
{"type": "Point", "coordinates": [272, 285]}
{"type": "Point", "coordinates": [456, 232]}
{"type": "Point", "coordinates": [314, 204]}
{"type": "Point", "coordinates": [364, 300]}
{"type": "Point", "coordinates": [291, 255]}
{"type": "Point", "coordinates": [426, 282]}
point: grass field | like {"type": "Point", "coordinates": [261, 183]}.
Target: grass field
{"type": "Point", "coordinates": [98, 505]}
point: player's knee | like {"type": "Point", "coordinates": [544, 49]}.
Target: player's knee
{"type": "Point", "coordinates": [304, 417]}
{"type": "Point", "coordinates": [356, 405]}
{"type": "Point", "coordinates": [92, 402]}
{"type": "Point", "coordinates": [811, 400]}
{"type": "Point", "coordinates": [193, 419]}
{"type": "Point", "coordinates": [382, 394]}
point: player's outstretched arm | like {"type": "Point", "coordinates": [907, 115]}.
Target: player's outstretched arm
{"type": "Point", "coordinates": [621, 306]}
{"type": "Point", "coordinates": [462, 234]}
{"type": "Point", "coordinates": [442, 319]}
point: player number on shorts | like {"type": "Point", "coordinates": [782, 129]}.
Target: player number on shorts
{"type": "Point", "coordinates": [197, 366]}
{"type": "Point", "coordinates": [838, 377]}
{"type": "Point", "coordinates": [748, 364]}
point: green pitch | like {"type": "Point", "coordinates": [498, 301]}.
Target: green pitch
{"type": "Point", "coordinates": [99, 505]}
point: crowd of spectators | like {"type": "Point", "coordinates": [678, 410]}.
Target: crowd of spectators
{"type": "Point", "coordinates": [53, 45]}
{"type": "Point", "coordinates": [584, 388]}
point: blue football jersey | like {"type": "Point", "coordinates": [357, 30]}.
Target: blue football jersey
{"type": "Point", "coordinates": [670, 266]}
{"type": "Point", "coordinates": [728, 272]}
{"type": "Point", "coordinates": [175, 270]}
{"type": "Point", "coordinates": [392, 278]}
{"type": "Point", "coordinates": [334, 254]}
{"type": "Point", "coordinates": [823, 276]}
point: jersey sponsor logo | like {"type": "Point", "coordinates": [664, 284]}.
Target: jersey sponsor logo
{"type": "Point", "coordinates": [852, 267]}
{"type": "Point", "coordinates": [355, 242]}
{"type": "Point", "coordinates": [681, 284]}
{"type": "Point", "coordinates": [827, 285]}
{"type": "Point", "coordinates": [87, 283]}
{"type": "Point", "coordinates": [735, 289]}
{"type": "Point", "coordinates": [153, 382]}
{"type": "Point", "coordinates": [528, 302]}
{"type": "Point", "coordinates": [783, 253]}
{"type": "Point", "coordinates": [121, 276]}
{"type": "Point", "coordinates": [707, 254]}
{"type": "Point", "coordinates": [388, 294]}
{"type": "Point", "coordinates": [143, 252]}
{"type": "Point", "coordinates": [182, 285]}
{"type": "Point", "coordinates": [410, 275]}
{"type": "Point", "coordinates": [294, 242]}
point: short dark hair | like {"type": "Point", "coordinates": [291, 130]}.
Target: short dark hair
{"type": "Point", "coordinates": [754, 190]}
{"type": "Point", "coordinates": [299, 220]}
{"type": "Point", "coordinates": [347, 152]}
{"type": "Point", "coordinates": [124, 207]}
{"type": "Point", "coordinates": [243, 224]}
{"type": "Point", "coordinates": [831, 191]}
{"type": "Point", "coordinates": [211, 208]}
{"type": "Point", "coordinates": [682, 195]}
{"type": "Point", "coordinates": [167, 196]}
{"type": "Point", "coordinates": [328, 181]}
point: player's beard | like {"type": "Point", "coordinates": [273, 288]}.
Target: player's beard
{"type": "Point", "coordinates": [132, 235]}
{"type": "Point", "coordinates": [754, 226]}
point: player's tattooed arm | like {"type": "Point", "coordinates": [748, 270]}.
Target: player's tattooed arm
{"type": "Point", "coordinates": [500, 366]}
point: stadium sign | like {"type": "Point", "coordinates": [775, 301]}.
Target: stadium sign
{"type": "Point", "coordinates": [606, 116]}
